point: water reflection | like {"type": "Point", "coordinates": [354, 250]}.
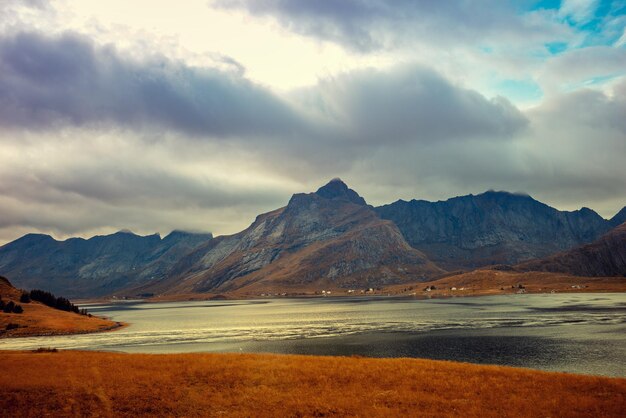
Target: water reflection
{"type": "Point", "coordinates": [580, 333]}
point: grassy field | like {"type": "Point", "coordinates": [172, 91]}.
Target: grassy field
{"type": "Point", "coordinates": [39, 319]}
{"type": "Point", "coordinates": [475, 283]}
{"type": "Point", "coordinates": [494, 282]}
{"type": "Point", "coordinates": [109, 384]}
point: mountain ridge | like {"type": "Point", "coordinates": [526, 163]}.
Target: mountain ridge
{"type": "Point", "coordinates": [330, 238]}
{"type": "Point", "coordinates": [94, 266]}
{"type": "Point", "coordinates": [471, 231]}
{"type": "Point", "coordinates": [619, 218]}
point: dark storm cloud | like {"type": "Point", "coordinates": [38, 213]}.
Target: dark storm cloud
{"type": "Point", "coordinates": [412, 104]}
{"type": "Point", "coordinates": [591, 109]}
{"type": "Point", "coordinates": [127, 185]}
{"type": "Point", "coordinates": [93, 192]}
{"type": "Point", "coordinates": [571, 155]}
{"type": "Point", "coordinates": [45, 82]}
{"type": "Point", "coordinates": [367, 25]}
{"type": "Point", "coordinates": [67, 80]}
{"type": "Point", "coordinates": [69, 96]}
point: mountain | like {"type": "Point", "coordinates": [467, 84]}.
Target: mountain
{"type": "Point", "coordinates": [604, 257]}
{"type": "Point", "coordinates": [97, 266]}
{"type": "Point", "coordinates": [471, 231]}
{"type": "Point", "coordinates": [324, 240]}
{"type": "Point", "coordinates": [327, 239]}
{"type": "Point", "coordinates": [619, 218]}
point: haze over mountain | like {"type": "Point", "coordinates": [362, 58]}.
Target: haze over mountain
{"type": "Point", "coordinates": [491, 228]}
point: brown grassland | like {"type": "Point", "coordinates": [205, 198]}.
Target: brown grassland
{"type": "Point", "coordinates": [74, 383]}
{"type": "Point", "coordinates": [39, 319]}
{"type": "Point", "coordinates": [496, 282]}
{"type": "Point", "coordinates": [480, 282]}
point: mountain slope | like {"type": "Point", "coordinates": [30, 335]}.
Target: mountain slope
{"type": "Point", "coordinates": [330, 238]}
{"type": "Point", "coordinates": [491, 228]}
{"type": "Point", "coordinates": [100, 265]}
{"type": "Point", "coordinates": [619, 218]}
{"type": "Point", "coordinates": [602, 258]}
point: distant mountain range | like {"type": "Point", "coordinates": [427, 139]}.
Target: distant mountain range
{"type": "Point", "coordinates": [604, 257]}
{"type": "Point", "coordinates": [97, 266]}
{"type": "Point", "coordinates": [493, 228]}
{"type": "Point", "coordinates": [328, 239]}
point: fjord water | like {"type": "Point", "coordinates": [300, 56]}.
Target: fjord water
{"type": "Point", "coordinates": [580, 333]}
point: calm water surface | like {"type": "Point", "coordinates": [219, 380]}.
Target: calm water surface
{"type": "Point", "coordinates": [581, 333]}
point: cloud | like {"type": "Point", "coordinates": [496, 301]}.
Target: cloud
{"type": "Point", "coordinates": [93, 139]}
{"type": "Point", "coordinates": [46, 82]}
{"type": "Point", "coordinates": [84, 182]}
{"type": "Point", "coordinates": [369, 25]}
{"type": "Point", "coordinates": [12, 7]}
{"type": "Point", "coordinates": [52, 82]}
{"type": "Point", "coordinates": [580, 67]}
{"type": "Point", "coordinates": [15, 13]}
{"type": "Point", "coordinates": [579, 11]}
{"type": "Point", "coordinates": [411, 104]}
{"type": "Point", "coordinates": [588, 109]}
{"type": "Point", "coordinates": [571, 155]}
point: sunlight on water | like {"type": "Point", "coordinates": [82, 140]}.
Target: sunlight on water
{"type": "Point", "coordinates": [376, 327]}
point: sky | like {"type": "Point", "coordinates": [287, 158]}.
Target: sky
{"type": "Point", "coordinates": [199, 115]}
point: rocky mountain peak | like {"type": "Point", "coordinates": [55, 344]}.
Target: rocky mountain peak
{"type": "Point", "coordinates": [177, 235]}
{"type": "Point", "coordinates": [35, 238]}
{"type": "Point", "coordinates": [337, 189]}
{"type": "Point", "coordinates": [503, 193]}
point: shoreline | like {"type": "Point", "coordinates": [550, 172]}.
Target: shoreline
{"type": "Point", "coordinates": [117, 326]}
{"type": "Point", "coordinates": [468, 284]}
{"type": "Point", "coordinates": [421, 296]}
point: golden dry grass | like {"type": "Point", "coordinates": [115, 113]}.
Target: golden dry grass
{"type": "Point", "coordinates": [241, 385]}
{"type": "Point", "coordinates": [39, 319]}
{"type": "Point", "coordinates": [494, 282]}
{"type": "Point", "coordinates": [475, 283]}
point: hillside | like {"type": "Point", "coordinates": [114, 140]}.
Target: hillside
{"type": "Point", "coordinates": [97, 266]}
{"type": "Point", "coordinates": [327, 239]}
{"type": "Point", "coordinates": [619, 218]}
{"type": "Point", "coordinates": [496, 282]}
{"type": "Point", "coordinates": [603, 257]}
{"type": "Point", "coordinates": [39, 319]}
{"type": "Point", "coordinates": [470, 231]}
